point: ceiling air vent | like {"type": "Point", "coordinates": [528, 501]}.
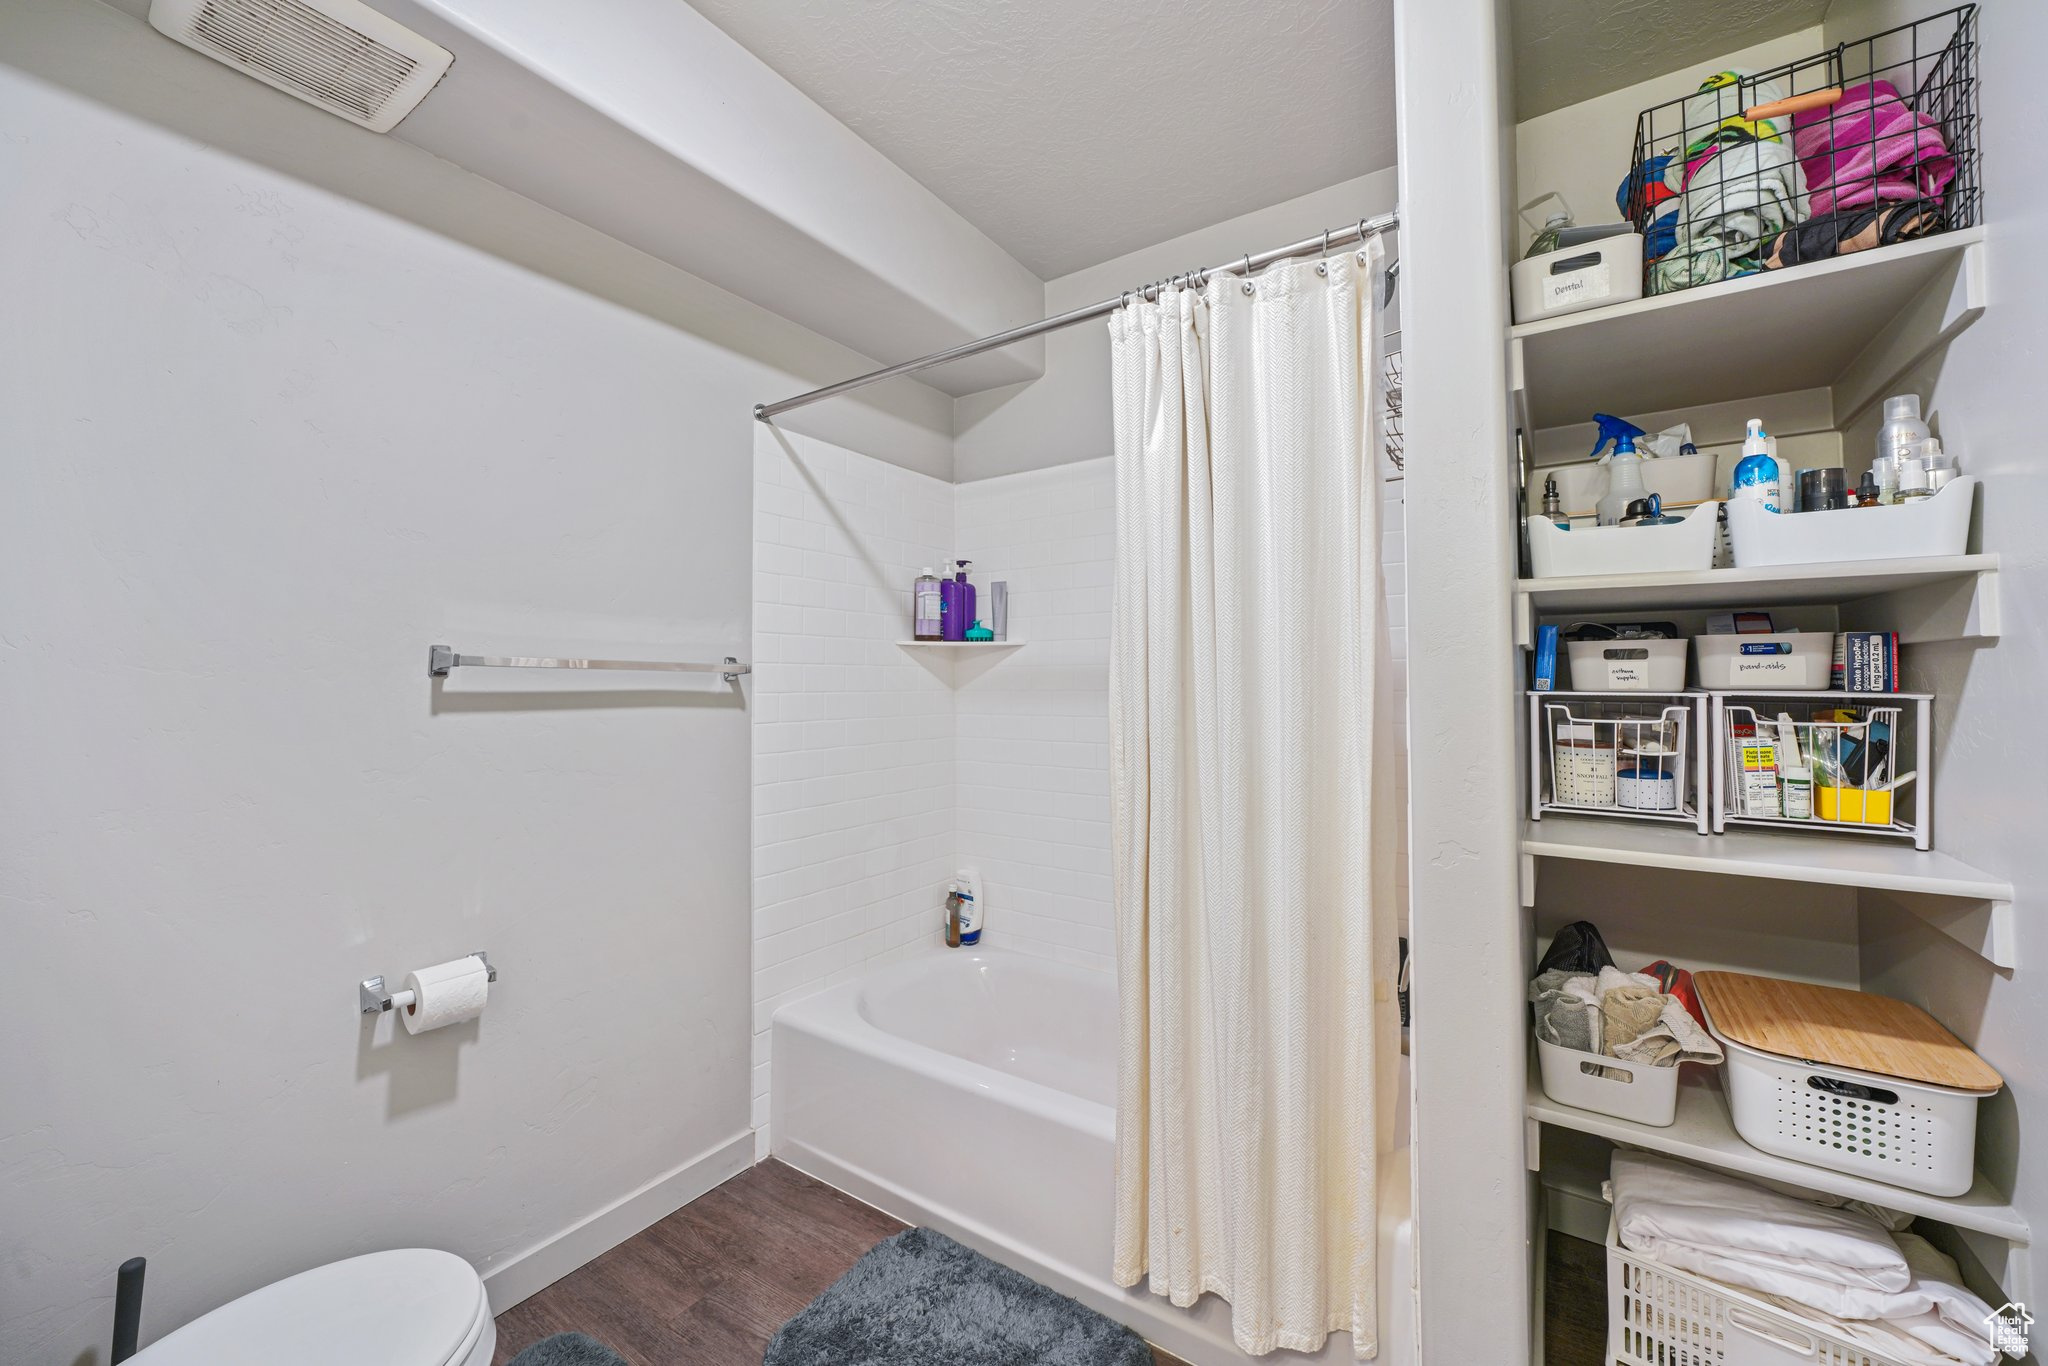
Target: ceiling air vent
{"type": "Point", "coordinates": [338, 54]}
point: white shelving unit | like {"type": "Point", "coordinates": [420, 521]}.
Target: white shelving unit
{"type": "Point", "coordinates": [1969, 905]}
{"type": "Point", "coordinates": [1853, 324]}
{"type": "Point", "coordinates": [1951, 597]}
{"type": "Point", "coordinates": [1703, 1132]}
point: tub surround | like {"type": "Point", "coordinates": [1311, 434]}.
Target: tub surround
{"type": "Point", "coordinates": [973, 1091]}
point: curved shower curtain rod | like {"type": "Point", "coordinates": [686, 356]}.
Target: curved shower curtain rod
{"type": "Point", "coordinates": [1243, 265]}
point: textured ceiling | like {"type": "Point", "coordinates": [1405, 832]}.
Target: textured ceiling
{"type": "Point", "coordinates": [1571, 50]}
{"type": "Point", "coordinates": [1072, 131]}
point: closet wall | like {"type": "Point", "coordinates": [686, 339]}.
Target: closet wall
{"type": "Point", "coordinates": [1982, 396]}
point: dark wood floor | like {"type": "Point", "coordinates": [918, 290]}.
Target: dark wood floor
{"type": "Point", "coordinates": [710, 1284]}
{"type": "Point", "coordinates": [1574, 1302]}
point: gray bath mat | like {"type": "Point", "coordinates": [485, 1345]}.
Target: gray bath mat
{"type": "Point", "coordinates": [568, 1349]}
{"type": "Point", "coordinates": [921, 1299]}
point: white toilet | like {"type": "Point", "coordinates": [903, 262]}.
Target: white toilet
{"type": "Point", "coordinates": [410, 1307]}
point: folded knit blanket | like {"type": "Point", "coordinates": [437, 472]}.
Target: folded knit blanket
{"type": "Point", "coordinates": [1869, 148]}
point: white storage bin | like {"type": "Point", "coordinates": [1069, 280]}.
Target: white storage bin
{"type": "Point", "coordinates": [1911, 1124]}
{"type": "Point", "coordinates": [1923, 1137]}
{"type": "Point", "coordinates": [1680, 480]}
{"type": "Point", "coordinates": [1660, 1316]}
{"type": "Point", "coordinates": [1934, 526]}
{"type": "Point", "coordinates": [1681, 547]}
{"type": "Point", "coordinates": [1608, 271]}
{"type": "Point", "coordinates": [1628, 665]}
{"type": "Point", "coordinates": [1592, 1081]}
{"type": "Point", "coordinates": [1792, 661]}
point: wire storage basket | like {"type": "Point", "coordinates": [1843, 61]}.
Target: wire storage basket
{"type": "Point", "coordinates": [1863, 145]}
{"type": "Point", "coordinates": [1850, 763]}
{"type": "Point", "coordinates": [1638, 756]}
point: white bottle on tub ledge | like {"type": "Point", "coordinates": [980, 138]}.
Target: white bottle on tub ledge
{"type": "Point", "coordinates": [966, 885]}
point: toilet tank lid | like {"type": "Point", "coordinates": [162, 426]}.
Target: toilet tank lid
{"type": "Point", "coordinates": [408, 1307]}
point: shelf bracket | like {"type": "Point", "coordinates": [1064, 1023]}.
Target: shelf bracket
{"type": "Point", "coordinates": [1964, 608]}
{"type": "Point", "coordinates": [1933, 318]}
{"type": "Point", "coordinates": [1527, 879]}
{"type": "Point", "coordinates": [1986, 927]}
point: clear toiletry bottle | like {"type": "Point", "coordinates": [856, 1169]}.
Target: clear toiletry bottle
{"type": "Point", "coordinates": [927, 622]}
{"type": "Point", "coordinates": [1941, 467]}
{"type": "Point", "coordinates": [1553, 505]}
{"type": "Point", "coordinates": [1897, 441]}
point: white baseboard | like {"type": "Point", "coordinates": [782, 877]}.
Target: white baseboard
{"type": "Point", "coordinates": [547, 1261]}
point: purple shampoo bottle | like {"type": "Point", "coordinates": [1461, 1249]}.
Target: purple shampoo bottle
{"type": "Point", "coordinates": [955, 605]}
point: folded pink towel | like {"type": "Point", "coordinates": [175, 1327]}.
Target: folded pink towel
{"type": "Point", "coordinates": [1869, 147]}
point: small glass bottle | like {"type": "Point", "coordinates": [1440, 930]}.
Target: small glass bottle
{"type": "Point", "coordinates": [1866, 492]}
{"type": "Point", "coordinates": [1913, 480]}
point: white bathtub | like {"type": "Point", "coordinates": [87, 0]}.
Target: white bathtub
{"type": "Point", "coordinates": [974, 1091]}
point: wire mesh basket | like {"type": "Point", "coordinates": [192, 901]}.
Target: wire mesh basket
{"type": "Point", "coordinates": [1599, 754]}
{"type": "Point", "coordinates": [1853, 763]}
{"type": "Point", "coordinates": [1863, 145]}
{"type": "Point", "coordinates": [1390, 413]}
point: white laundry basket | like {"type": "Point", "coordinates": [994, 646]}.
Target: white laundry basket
{"type": "Point", "coordinates": [1903, 1133]}
{"type": "Point", "coordinates": [1661, 1316]}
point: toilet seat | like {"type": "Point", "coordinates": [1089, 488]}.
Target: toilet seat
{"type": "Point", "coordinates": [410, 1307]}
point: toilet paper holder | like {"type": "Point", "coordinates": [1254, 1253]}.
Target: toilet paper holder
{"type": "Point", "coordinates": [375, 1000]}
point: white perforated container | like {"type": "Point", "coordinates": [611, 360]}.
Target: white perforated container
{"type": "Point", "coordinates": [1903, 1133]}
{"type": "Point", "coordinates": [1660, 1316]}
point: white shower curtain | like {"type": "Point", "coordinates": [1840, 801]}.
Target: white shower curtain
{"type": "Point", "coordinates": [1252, 802]}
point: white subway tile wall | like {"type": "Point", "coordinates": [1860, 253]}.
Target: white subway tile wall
{"type": "Point", "coordinates": [853, 736]}
{"type": "Point", "coordinates": [1032, 745]}
{"type": "Point", "coordinates": [879, 771]}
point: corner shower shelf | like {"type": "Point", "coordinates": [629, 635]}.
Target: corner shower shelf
{"type": "Point", "coordinates": [1976, 910]}
{"type": "Point", "coordinates": [966, 645]}
{"type": "Point", "coordinates": [1939, 597]}
{"type": "Point", "coordinates": [1704, 1133]}
{"type": "Point", "coordinates": [1853, 324]}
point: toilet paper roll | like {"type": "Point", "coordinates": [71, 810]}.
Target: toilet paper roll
{"type": "Point", "coordinates": [446, 994]}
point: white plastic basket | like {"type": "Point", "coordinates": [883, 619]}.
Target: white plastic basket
{"type": "Point", "coordinates": [1935, 526]}
{"type": "Point", "coordinates": [1590, 275]}
{"type": "Point", "coordinates": [1660, 1316]}
{"type": "Point", "coordinates": [1903, 1133]}
{"type": "Point", "coordinates": [1793, 660]}
{"type": "Point", "coordinates": [1593, 1081]}
{"type": "Point", "coordinates": [1681, 546]}
{"type": "Point", "coordinates": [1627, 665]}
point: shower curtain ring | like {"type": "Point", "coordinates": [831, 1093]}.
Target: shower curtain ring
{"type": "Point", "coordinates": [1326, 242]}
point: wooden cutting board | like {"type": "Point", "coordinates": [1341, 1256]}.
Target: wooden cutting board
{"type": "Point", "coordinates": [1841, 1028]}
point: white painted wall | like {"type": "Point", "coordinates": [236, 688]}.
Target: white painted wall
{"type": "Point", "coordinates": [266, 445]}
{"type": "Point", "coordinates": [1469, 938]}
{"type": "Point", "coordinates": [853, 735]}
{"type": "Point", "coordinates": [115, 60]}
{"type": "Point", "coordinates": [1584, 151]}
{"type": "Point", "coordinates": [1064, 416]}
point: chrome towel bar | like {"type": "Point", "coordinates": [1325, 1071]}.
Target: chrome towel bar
{"type": "Point", "coordinates": [443, 658]}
